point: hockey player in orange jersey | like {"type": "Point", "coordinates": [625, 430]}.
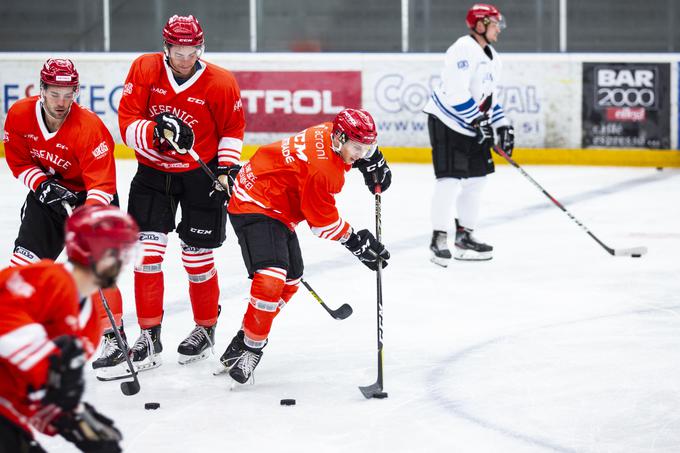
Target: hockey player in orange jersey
{"type": "Point", "coordinates": [50, 326]}
{"type": "Point", "coordinates": [285, 183]}
{"type": "Point", "coordinates": [64, 154]}
{"type": "Point", "coordinates": [174, 93]}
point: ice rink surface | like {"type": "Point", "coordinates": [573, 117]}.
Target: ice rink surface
{"type": "Point", "coordinates": [554, 345]}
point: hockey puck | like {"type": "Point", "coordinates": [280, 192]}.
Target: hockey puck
{"type": "Point", "coordinates": [635, 256]}
{"type": "Point", "coordinates": [287, 402]}
{"type": "Point", "coordinates": [151, 405]}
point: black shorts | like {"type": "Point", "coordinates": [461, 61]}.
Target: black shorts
{"type": "Point", "coordinates": [455, 155]}
{"type": "Point", "coordinates": [42, 229]}
{"type": "Point", "coordinates": [155, 195]}
{"type": "Point", "coordinates": [267, 242]}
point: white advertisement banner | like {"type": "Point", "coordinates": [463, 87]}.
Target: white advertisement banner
{"type": "Point", "coordinates": [541, 94]}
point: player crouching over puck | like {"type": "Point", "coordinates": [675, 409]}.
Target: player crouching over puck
{"type": "Point", "coordinates": [50, 326]}
{"type": "Point", "coordinates": [283, 184]}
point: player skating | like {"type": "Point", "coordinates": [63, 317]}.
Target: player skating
{"type": "Point", "coordinates": [283, 184]}
{"type": "Point", "coordinates": [197, 104]}
{"type": "Point", "coordinates": [50, 326]}
{"type": "Point", "coordinates": [64, 154]}
{"type": "Point", "coordinates": [462, 115]}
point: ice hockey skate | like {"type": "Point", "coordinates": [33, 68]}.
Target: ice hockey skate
{"type": "Point", "coordinates": [441, 255]}
{"type": "Point", "coordinates": [467, 248]}
{"type": "Point", "coordinates": [111, 364]}
{"type": "Point", "coordinates": [146, 350]}
{"type": "Point", "coordinates": [240, 360]}
{"type": "Point", "coordinates": [197, 346]}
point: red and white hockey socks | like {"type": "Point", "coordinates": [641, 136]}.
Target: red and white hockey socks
{"type": "Point", "coordinates": [115, 302]}
{"type": "Point", "coordinates": [265, 298]}
{"type": "Point", "coordinates": [204, 290]}
{"type": "Point", "coordinates": [149, 285]}
{"type": "Point", "coordinates": [22, 257]}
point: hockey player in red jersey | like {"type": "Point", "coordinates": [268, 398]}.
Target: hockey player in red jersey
{"type": "Point", "coordinates": [285, 183]}
{"type": "Point", "coordinates": [64, 154]}
{"type": "Point", "coordinates": [175, 93]}
{"type": "Point", "coordinates": [50, 326]}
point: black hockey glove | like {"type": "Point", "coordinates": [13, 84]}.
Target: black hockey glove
{"type": "Point", "coordinates": [366, 247]}
{"type": "Point", "coordinates": [226, 177]}
{"type": "Point", "coordinates": [483, 129]}
{"type": "Point", "coordinates": [375, 171]}
{"type": "Point", "coordinates": [169, 127]}
{"type": "Point", "coordinates": [65, 383]}
{"type": "Point", "coordinates": [52, 194]}
{"type": "Point", "coordinates": [506, 139]}
{"type": "Point", "coordinates": [89, 430]}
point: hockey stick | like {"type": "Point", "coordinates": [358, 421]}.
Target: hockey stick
{"type": "Point", "coordinates": [376, 390]}
{"type": "Point", "coordinates": [342, 312]}
{"type": "Point", "coordinates": [196, 157]}
{"type": "Point", "coordinates": [634, 252]}
{"type": "Point", "coordinates": [127, 387]}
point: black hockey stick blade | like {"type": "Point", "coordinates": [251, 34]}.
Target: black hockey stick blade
{"type": "Point", "coordinates": [130, 387]}
{"type": "Point", "coordinates": [373, 391]}
{"type": "Point", "coordinates": [342, 312]}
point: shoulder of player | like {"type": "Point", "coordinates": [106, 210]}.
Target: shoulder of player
{"type": "Point", "coordinates": [148, 62]}
{"type": "Point", "coordinates": [23, 106]}
{"type": "Point", "coordinates": [465, 43]}
{"type": "Point", "coordinates": [86, 121]}
{"type": "Point", "coordinates": [45, 275]}
{"type": "Point", "coordinates": [219, 74]}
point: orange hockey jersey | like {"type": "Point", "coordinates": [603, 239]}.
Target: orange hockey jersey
{"type": "Point", "coordinates": [209, 102]}
{"type": "Point", "coordinates": [38, 302]}
{"type": "Point", "coordinates": [79, 154]}
{"type": "Point", "coordinates": [295, 180]}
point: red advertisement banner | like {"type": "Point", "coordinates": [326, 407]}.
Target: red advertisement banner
{"type": "Point", "coordinates": [294, 100]}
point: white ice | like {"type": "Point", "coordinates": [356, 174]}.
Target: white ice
{"type": "Point", "coordinates": [554, 345]}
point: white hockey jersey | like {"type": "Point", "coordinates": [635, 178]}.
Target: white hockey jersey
{"type": "Point", "coordinates": [468, 83]}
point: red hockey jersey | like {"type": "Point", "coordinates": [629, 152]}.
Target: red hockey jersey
{"type": "Point", "coordinates": [38, 302]}
{"type": "Point", "coordinates": [79, 154]}
{"type": "Point", "coordinates": [295, 180]}
{"type": "Point", "coordinates": [209, 102]}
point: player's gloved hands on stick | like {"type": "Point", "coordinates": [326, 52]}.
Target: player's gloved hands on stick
{"type": "Point", "coordinates": [483, 129]}
{"type": "Point", "coordinates": [506, 139]}
{"type": "Point", "coordinates": [89, 430]}
{"type": "Point", "coordinates": [375, 171]}
{"type": "Point", "coordinates": [366, 247]}
{"type": "Point", "coordinates": [65, 383]}
{"type": "Point", "coordinates": [170, 127]}
{"type": "Point", "coordinates": [52, 194]}
{"type": "Point", "coordinates": [226, 177]}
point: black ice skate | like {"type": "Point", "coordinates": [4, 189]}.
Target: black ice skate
{"type": "Point", "coordinates": [197, 346]}
{"type": "Point", "coordinates": [240, 360]}
{"type": "Point", "coordinates": [440, 249]}
{"type": "Point", "coordinates": [111, 364]}
{"type": "Point", "coordinates": [468, 248]}
{"type": "Point", "coordinates": [147, 349]}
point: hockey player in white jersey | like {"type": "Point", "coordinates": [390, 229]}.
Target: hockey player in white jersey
{"type": "Point", "coordinates": [463, 115]}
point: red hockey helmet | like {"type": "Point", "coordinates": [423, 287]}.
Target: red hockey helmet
{"type": "Point", "coordinates": [357, 125]}
{"type": "Point", "coordinates": [60, 72]}
{"type": "Point", "coordinates": [183, 31]}
{"type": "Point", "coordinates": [92, 231]}
{"type": "Point", "coordinates": [481, 11]}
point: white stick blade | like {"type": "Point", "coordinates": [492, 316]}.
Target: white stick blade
{"type": "Point", "coordinates": [634, 251]}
